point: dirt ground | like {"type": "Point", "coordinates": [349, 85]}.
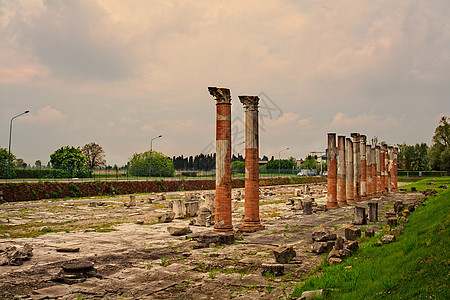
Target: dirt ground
{"type": "Point", "coordinates": [136, 258]}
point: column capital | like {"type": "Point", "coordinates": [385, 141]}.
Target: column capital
{"type": "Point", "coordinates": [378, 147]}
{"type": "Point", "coordinates": [250, 102]}
{"type": "Point", "coordinates": [221, 95]}
{"type": "Point", "coordinates": [354, 135]}
{"type": "Point", "coordinates": [362, 139]}
{"type": "Point", "coordinates": [384, 147]}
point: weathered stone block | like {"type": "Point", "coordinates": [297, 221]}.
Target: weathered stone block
{"type": "Point", "coordinates": [179, 230]}
{"type": "Point", "coordinates": [351, 246]}
{"type": "Point", "coordinates": [297, 192]}
{"type": "Point", "coordinates": [352, 233]}
{"type": "Point", "coordinates": [360, 215]}
{"type": "Point", "coordinates": [398, 206]}
{"type": "Point", "coordinates": [386, 239]}
{"type": "Point", "coordinates": [179, 208]}
{"type": "Point", "coordinates": [392, 222]}
{"type": "Point", "coordinates": [214, 237]}
{"type": "Point", "coordinates": [191, 208]}
{"type": "Point", "coordinates": [320, 247]}
{"type": "Point", "coordinates": [132, 200]}
{"type": "Point", "coordinates": [339, 245]}
{"type": "Point", "coordinates": [307, 207]}
{"type": "Point", "coordinates": [370, 232]}
{"type": "Point", "coordinates": [284, 254]}
{"type": "Point", "coordinates": [310, 295]}
{"type": "Point", "coordinates": [166, 217]}
{"type": "Point", "coordinates": [373, 211]}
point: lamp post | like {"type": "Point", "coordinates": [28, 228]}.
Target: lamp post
{"type": "Point", "coordinates": [279, 160]}
{"type": "Point", "coordinates": [151, 143]}
{"type": "Point", "coordinates": [9, 145]}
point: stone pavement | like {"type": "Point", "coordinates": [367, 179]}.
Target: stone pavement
{"type": "Point", "coordinates": [136, 258]}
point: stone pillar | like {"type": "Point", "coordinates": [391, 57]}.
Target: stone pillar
{"type": "Point", "coordinates": [332, 170]}
{"type": "Point", "coordinates": [395, 170]}
{"type": "Point", "coordinates": [374, 172]}
{"type": "Point", "coordinates": [356, 168]}
{"type": "Point", "coordinates": [251, 212]}
{"type": "Point", "coordinates": [349, 172]}
{"type": "Point", "coordinates": [373, 211]}
{"type": "Point", "coordinates": [382, 186]}
{"type": "Point", "coordinates": [360, 215]}
{"type": "Point", "coordinates": [378, 169]}
{"type": "Point", "coordinates": [307, 207]}
{"type": "Point", "coordinates": [390, 164]}
{"type": "Point", "coordinates": [384, 163]}
{"type": "Point", "coordinates": [369, 171]}
{"type": "Point", "coordinates": [341, 181]}
{"type": "Point", "coordinates": [223, 222]}
{"type": "Point", "coordinates": [362, 145]}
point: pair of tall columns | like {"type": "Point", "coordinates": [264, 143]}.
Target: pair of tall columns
{"type": "Point", "coordinates": [357, 171]}
{"type": "Point", "coordinates": [223, 213]}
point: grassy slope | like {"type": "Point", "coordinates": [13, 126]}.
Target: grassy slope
{"type": "Point", "coordinates": [414, 267]}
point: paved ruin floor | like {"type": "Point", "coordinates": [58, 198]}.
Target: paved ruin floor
{"type": "Point", "coordinates": [142, 261]}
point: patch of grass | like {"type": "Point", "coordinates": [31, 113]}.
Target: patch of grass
{"type": "Point", "coordinates": [413, 267]}
{"type": "Point", "coordinates": [213, 273]}
{"type": "Point", "coordinates": [165, 261]}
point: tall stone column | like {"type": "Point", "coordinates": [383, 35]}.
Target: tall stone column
{"type": "Point", "coordinates": [383, 169]}
{"type": "Point", "coordinates": [362, 145]}
{"type": "Point", "coordinates": [252, 221]}
{"type": "Point", "coordinates": [341, 181]}
{"type": "Point", "coordinates": [395, 169]}
{"type": "Point", "coordinates": [332, 172]}
{"type": "Point", "coordinates": [223, 221]}
{"type": "Point", "coordinates": [374, 172]}
{"type": "Point", "coordinates": [378, 168]}
{"type": "Point", "coordinates": [369, 171]}
{"type": "Point", "coordinates": [356, 168]}
{"type": "Point", "coordinates": [390, 164]}
{"type": "Point", "coordinates": [349, 178]}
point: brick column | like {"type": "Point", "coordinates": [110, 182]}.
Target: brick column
{"type": "Point", "coordinates": [362, 145]}
{"type": "Point", "coordinates": [369, 171]}
{"type": "Point", "coordinates": [378, 168]}
{"type": "Point", "coordinates": [356, 168]}
{"type": "Point", "coordinates": [332, 170]}
{"type": "Point", "coordinates": [223, 222]}
{"type": "Point", "coordinates": [395, 169]}
{"type": "Point", "coordinates": [252, 222]}
{"type": "Point", "coordinates": [341, 181]}
{"type": "Point", "coordinates": [349, 170]}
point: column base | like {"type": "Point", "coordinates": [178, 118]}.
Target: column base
{"type": "Point", "coordinates": [332, 205]}
{"type": "Point", "coordinates": [251, 226]}
{"type": "Point", "coordinates": [342, 204]}
{"type": "Point", "coordinates": [351, 201]}
{"type": "Point", "coordinates": [224, 229]}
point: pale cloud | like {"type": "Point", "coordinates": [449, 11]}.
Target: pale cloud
{"type": "Point", "coordinates": [46, 116]}
{"type": "Point", "coordinates": [124, 70]}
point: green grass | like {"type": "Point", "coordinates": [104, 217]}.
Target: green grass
{"type": "Point", "coordinates": [421, 184]}
{"type": "Point", "coordinates": [414, 267]}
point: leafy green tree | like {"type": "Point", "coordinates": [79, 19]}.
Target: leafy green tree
{"type": "Point", "coordinates": [161, 164]}
{"type": "Point", "coordinates": [284, 164]}
{"type": "Point", "coordinates": [310, 163]}
{"type": "Point", "coordinates": [238, 166]}
{"type": "Point", "coordinates": [413, 157]}
{"type": "Point", "coordinates": [4, 164]}
{"type": "Point", "coordinates": [439, 152]}
{"type": "Point", "coordinates": [71, 160]}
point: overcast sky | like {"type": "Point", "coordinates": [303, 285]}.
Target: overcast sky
{"type": "Point", "coordinates": [119, 73]}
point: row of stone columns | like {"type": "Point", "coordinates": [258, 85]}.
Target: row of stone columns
{"type": "Point", "coordinates": [357, 171]}
{"type": "Point", "coordinates": [223, 217]}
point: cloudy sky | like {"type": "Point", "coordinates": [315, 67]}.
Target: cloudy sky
{"type": "Point", "coordinates": [119, 73]}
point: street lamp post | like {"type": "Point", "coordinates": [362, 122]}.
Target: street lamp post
{"type": "Point", "coordinates": [279, 160]}
{"type": "Point", "coordinates": [9, 145]}
{"type": "Point", "coordinates": [151, 144]}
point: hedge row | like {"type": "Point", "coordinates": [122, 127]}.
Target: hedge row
{"type": "Point", "coordinates": [13, 192]}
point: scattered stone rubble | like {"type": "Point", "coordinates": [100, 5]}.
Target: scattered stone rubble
{"type": "Point", "coordinates": [14, 255]}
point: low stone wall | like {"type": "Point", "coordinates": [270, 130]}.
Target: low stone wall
{"type": "Point", "coordinates": [14, 192]}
